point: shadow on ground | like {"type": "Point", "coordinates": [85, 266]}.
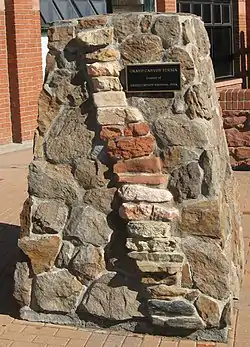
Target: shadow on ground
{"type": "Point", "coordinates": [9, 254]}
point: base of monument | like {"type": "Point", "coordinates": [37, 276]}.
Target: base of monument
{"type": "Point", "coordinates": [140, 325]}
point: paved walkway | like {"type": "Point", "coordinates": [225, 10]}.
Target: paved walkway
{"type": "Point", "coordinates": [16, 333]}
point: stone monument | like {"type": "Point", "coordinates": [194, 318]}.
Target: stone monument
{"type": "Point", "coordinates": [132, 220]}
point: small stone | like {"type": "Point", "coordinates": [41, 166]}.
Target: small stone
{"type": "Point", "coordinates": [57, 291]}
{"type": "Point", "coordinates": [42, 251]}
{"type": "Point", "coordinates": [87, 225]}
{"type": "Point", "coordinates": [159, 256]}
{"type": "Point", "coordinates": [149, 229]}
{"type": "Point", "coordinates": [96, 37]}
{"type": "Point", "coordinates": [131, 147]}
{"type": "Point", "coordinates": [104, 83]}
{"type": "Point", "coordinates": [90, 173]}
{"type": "Point", "coordinates": [100, 198]}
{"type": "Point", "coordinates": [190, 323]}
{"type": "Point", "coordinates": [155, 278]}
{"type": "Point", "coordinates": [111, 115]}
{"type": "Point", "coordinates": [143, 193]}
{"type": "Point", "coordinates": [227, 314]}
{"type": "Point", "coordinates": [168, 28]}
{"type": "Point", "coordinates": [143, 211]}
{"type": "Point", "coordinates": [65, 255]}
{"type": "Point", "coordinates": [22, 284]}
{"type": "Point", "coordinates": [88, 263]}
{"type": "Point", "coordinates": [125, 24]}
{"type": "Point", "coordinates": [209, 310]}
{"type": "Point", "coordinates": [25, 217]}
{"type": "Point", "coordinates": [49, 217]}
{"type": "Point", "coordinates": [176, 307]}
{"type": "Point", "coordinates": [186, 277]}
{"type": "Point", "coordinates": [133, 115]}
{"type": "Point", "coordinates": [159, 268]}
{"type": "Point", "coordinates": [105, 54]}
{"type": "Point", "coordinates": [146, 165]}
{"type": "Point", "coordinates": [162, 291]}
{"type": "Point", "coordinates": [111, 132]}
{"type": "Point", "coordinates": [136, 129]}
{"type": "Point", "coordinates": [93, 22]}
{"type": "Point", "coordinates": [104, 69]}
{"type": "Point", "coordinates": [112, 297]}
{"type": "Point", "coordinates": [152, 245]}
{"type": "Point", "coordinates": [201, 35]}
{"type": "Point", "coordinates": [48, 110]}
{"type": "Point", "coordinates": [152, 180]}
{"type": "Point", "coordinates": [110, 99]}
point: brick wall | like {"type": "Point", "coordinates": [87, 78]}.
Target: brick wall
{"type": "Point", "coordinates": [166, 5]}
{"type": "Point", "coordinates": [5, 120]}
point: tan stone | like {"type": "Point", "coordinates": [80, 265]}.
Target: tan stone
{"type": "Point", "coordinates": [104, 83]}
{"type": "Point", "coordinates": [209, 310]}
{"type": "Point", "coordinates": [110, 99]}
{"type": "Point", "coordinates": [105, 54]}
{"type": "Point", "coordinates": [48, 109]}
{"type": "Point", "coordinates": [96, 37]}
{"type": "Point", "coordinates": [111, 115]}
{"type": "Point", "coordinates": [163, 291]}
{"type": "Point", "coordinates": [42, 251]}
{"type": "Point", "coordinates": [104, 69]}
{"type": "Point", "coordinates": [138, 192]}
{"type": "Point", "coordinates": [133, 115]}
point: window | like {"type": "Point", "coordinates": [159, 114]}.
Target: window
{"type": "Point", "coordinates": [217, 16]}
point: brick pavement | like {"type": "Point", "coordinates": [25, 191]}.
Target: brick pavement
{"type": "Point", "coordinates": [16, 333]}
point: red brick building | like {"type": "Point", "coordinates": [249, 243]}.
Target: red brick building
{"type": "Point", "coordinates": [21, 59]}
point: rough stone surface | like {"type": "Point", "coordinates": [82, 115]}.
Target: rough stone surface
{"type": "Point", "coordinates": [104, 69]}
{"type": "Point", "coordinates": [125, 25]}
{"type": "Point", "coordinates": [209, 266]}
{"type": "Point", "coordinates": [57, 291]}
{"type": "Point", "coordinates": [110, 99]}
{"type": "Point", "coordinates": [90, 173]}
{"type": "Point", "coordinates": [152, 180]}
{"type": "Point", "coordinates": [170, 25]}
{"type": "Point", "coordinates": [42, 251]}
{"type": "Point", "coordinates": [111, 115]}
{"type": "Point", "coordinates": [49, 217]}
{"type": "Point", "coordinates": [209, 310]}
{"type": "Point", "coordinates": [142, 193]}
{"type": "Point", "coordinates": [190, 323]}
{"type": "Point", "coordinates": [101, 84]}
{"type": "Point", "coordinates": [97, 37]}
{"type": "Point", "coordinates": [105, 54]}
{"type": "Point", "coordinates": [87, 225]}
{"type": "Point", "coordinates": [100, 198]}
{"type": "Point", "coordinates": [146, 165]}
{"type": "Point", "coordinates": [178, 307]}
{"type": "Point", "coordinates": [22, 284]}
{"type": "Point", "coordinates": [65, 255]}
{"type": "Point", "coordinates": [165, 292]}
{"type": "Point", "coordinates": [150, 229]}
{"type": "Point", "coordinates": [112, 297]}
{"type": "Point", "coordinates": [154, 245]}
{"type": "Point", "coordinates": [48, 110]}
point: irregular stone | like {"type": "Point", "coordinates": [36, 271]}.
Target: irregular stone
{"type": "Point", "coordinates": [90, 173]}
{"type": "Point", "coordinates": [53, 182]}
{"type": "Point", "coordinates": [209, 310]}
{"type": "Point", "coordinates": [144, 193]}
{"type": "Point", "coordinates": [42, 251]}
{"type": "Point", "coordinates": [177, 54]}
{"type": "Point", "coordinates": [48, 110]}
{"type": "Point", "coordinates": [142, 211]}
{"type": "Point", "coordinates": [101, 84]}
{"type": "Point", "coordinates": [168, 28]}
{"type": "Point", "coordinates": [22, 284]}
{"type": "Point", "coordinates": [162, 291]}
{"type": "Point", "coordinates": [88, 263]}
{"type": "Point", "coordinates": [96, 37]}
{"type": "Point", "coordinates": [65, 255]}
{"type": "Point", "coordinates": [111, 115]}
{"type": "Point", "coordinates": [175, 307]}
{"type": "Point", "coordinates": [202, 39]}
{"type": "Point", "coordinates": [125, 25]}
{"type": "Point", "coordinates": [149, 229]}
{"type": "Point", "coordinates": [199, 102]}
{"type": "Point", "coordinates": [104, 54]}
{"type": "Point", "coordinates": [176, 156]}
{"type": "Point", "coordinates": [186, 277]}
{"type": "Point", "coordinates": [141, 48]}
{"type": "Point", "coordinates": [161, 268]}
{"type": "Point", "coordinates": [179, 131]}
{"type": "Point", "coordinates": [93, 22]}
{"type": "Point", "coordinates": [234, 121]}
{"type": "Point", "coordinates": [110, 99]}
{"type": "Point", "coordinates": [49, 217]}
{"type": "Point", "coordinates": [188, 33]}
{"type": "Point", "coordinates": [112, 297]}
{"type": "Point", "coordinates": [202, 218]}
{"type": "Point", "coordinates": [133, 115]}
{"type": "Point", "coordinates": [227, 314]}
{"type": "Point", "coordinates": [69, 138]}
{"type": "Point", "coordinates": [159, 257]}
{"type": "Point", "coordinates": [156, 277]}
{"type": "Point", "coordinates": [146, 165]}
{"type": "Point", "coordinates": [154, 245]}
{"type": "Point", "coordinates": [100, 198]}
{"type": "Point", "coordinates": [136, 129]}
{"type": "Point", "coordinates": [131, 147]}
{"type": "Point", "coordinates": [152, 179]}
{"type": "Point", "coordinates": [209, 266]}
{"type": "Point", "coordinates": [57, 291]}
{"type": "Point", "coordinates": [242, 153]}
{"type": "Point", "coordinates": [104, 69]}
{"type": "Point", "coordinates": [38, 141]}
{"type": "Point", "coordinates": [185, 182]}
{"type": "Point", "coordinates": [190, 323]}
{"type": "Point", "coordinates": [25, 217]}
{"type": "Point", "coordinates": [212, 334]}
{"type": "Point", "coordinates": [71, 319]}
{"type": "Point", "coordinates": [87, 225]}
{"type": "Point", "coordinates": [111, 132]}
{"type": "Point", "coordinates": [145, 23]}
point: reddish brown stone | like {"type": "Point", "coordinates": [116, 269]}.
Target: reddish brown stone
{"type": "Point", "coordinates": [136, 129]}
{"type": "Point", "coordinates": [230, 122]}
{"type": "Point", "coordinates": [147, 165]}
{"type": "Point", "coordinates": [110, 132]}
{"type": "Point", "coordinates": [242, 153]}
{"type": "Point", "coordinates": [236, 138]}
{"type": "Point", "coordinates": [131, 147]}
{"type": "Point", "coordinates": [143, 179]}
{"type": "Point", "coordinates": [93, 22]}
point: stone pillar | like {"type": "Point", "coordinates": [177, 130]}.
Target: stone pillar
{"type": "Point", "coordinates": [5, 117]}
{"type": "Point", "coordinates": [132, 219]}
{"type": "Point", "coordinates": [25, 65]}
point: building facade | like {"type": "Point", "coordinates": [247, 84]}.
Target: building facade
{"type": "Point", "coordinates": [22, 52]}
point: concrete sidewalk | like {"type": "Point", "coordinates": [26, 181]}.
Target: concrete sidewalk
{"type": "Point", "coordinates": [16, 333]}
